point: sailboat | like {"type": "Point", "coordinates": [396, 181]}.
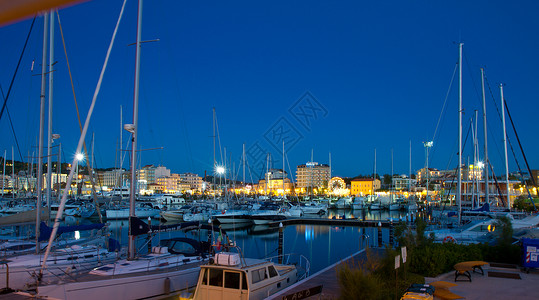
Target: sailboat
{"type": "Point", "coordinates": [166, 270]}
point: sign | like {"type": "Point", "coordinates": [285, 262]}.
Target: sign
{"type": "Point", "coordinates": [397, 261]}
{"type": "Point", "coordinates": [304, 294]}
{"type": "Point", "coordinates": [403, 253]}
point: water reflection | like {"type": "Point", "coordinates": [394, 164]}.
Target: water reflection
{"type": "Point", "coordinates": [322, 245]}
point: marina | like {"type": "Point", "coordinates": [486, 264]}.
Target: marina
{"type": "Point", "coordinates": [360, 178]}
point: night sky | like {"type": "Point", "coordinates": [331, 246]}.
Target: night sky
{"type": "Point", "coordinates": [346, 78]}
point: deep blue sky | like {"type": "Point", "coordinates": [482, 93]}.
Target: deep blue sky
{"type": "Point", "coordinates": [379, 71]}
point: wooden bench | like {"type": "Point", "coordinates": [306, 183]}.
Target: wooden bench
{"type": "Point", "coordinates": [442, 290]}
{"type": "Point", "coordinates": [446, 294]}
{"type": "Point", "coordinates": [477, 265]}
{"type": "Point", "coordinates": [464, 268]}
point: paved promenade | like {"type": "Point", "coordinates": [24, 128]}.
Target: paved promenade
{"type": "Point", "coordinates": [326, 277]}
{"type": "Point", "coordinates": [482, 286]}
{"type": "Point", "coordinates": [485, 287]}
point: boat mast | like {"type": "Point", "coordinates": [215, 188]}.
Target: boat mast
{"type": "Point", "coordinates": [133, 187]}
{"type": "Point", "coordinates": [485, 134]}
{"type": "Point", "coordinates": [59, 171]}
{"type": "Point", "coordinates": [459, 167]}
{"type": "Point", "coordinates": [49, 135]}
{"type": "Point", "coordinates": [4, 174]}
{"type": "Point", "coordinates": [391, 184]}
{"type": "Point", "coordinates": [505, 150]}
{"type": "Point", "coordinates": [410, 171]}
{"type": "Point", "coordinates": [214, 162]}
{"type": "Point", "coordinates": [475, 158]}
{"type": "Point", "coordinates": [41, 121]}
{"type": "Point", "coordinates": [120, 182]}
{"type": "Point", "coordinates": [329, 164]}
{"type": "Point", "coordinates": [282, 177]}
{"type": "Point", "coordinates": [374, 175]}
{"type": "Point", "coordinates": [13, 171]}
{"type": "Point", "coordinates": [266, 175]}
{"type": "Point", "coordinates": [244, 167]}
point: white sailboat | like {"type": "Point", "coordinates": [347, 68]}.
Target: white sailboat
{"type": "Point", "coordinates": [164, 271]}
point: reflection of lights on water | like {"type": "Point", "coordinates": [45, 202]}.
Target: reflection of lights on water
{"type": "Point", "coordinates": [77, 235]}
{"type": "Point", "coordinates": [309, 233]}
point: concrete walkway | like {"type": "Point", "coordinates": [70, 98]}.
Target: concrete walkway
{"type": "Point", "coordinates": [326, 277]}
{"type": "Point", "coordinates": [485, 287]}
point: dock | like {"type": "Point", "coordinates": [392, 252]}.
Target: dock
{"type": "Point", "coordinates": [327, 278]}
{"type": "Point", "coordinates": [334, 222]}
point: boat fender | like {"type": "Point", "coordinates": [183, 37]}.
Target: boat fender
{"type": "Point", "coordinates": [449, 239]}
{"type": "Point", "coordinates": [167, 285]}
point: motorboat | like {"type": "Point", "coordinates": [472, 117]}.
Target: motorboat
{"type": "Point", "coordinates": [230, 276]}
{"type": "Point", "coordinates": [358, 203]}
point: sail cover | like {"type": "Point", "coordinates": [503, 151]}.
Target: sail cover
{"type": "Point", "coordinates": [139, 227]}
{"type": "Point", "coordinates": [45, 231]}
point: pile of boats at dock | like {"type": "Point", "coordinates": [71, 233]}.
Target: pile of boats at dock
{"type": "Point", "coordinates": [479, 225]}
{"type": "Point", "coordinates": [93, 266]}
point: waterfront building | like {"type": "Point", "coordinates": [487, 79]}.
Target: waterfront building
{"type": "Point", "coordinates": [433, 174]}
{"type": "Point", "coordinates": [112, 178]}
{"type": "Point", "coordinates": [403, 183]}
{"type": "Point", "coordinates": [469, 190]}
{"type": "Point", "coordinates": [364, 186]}
{"type": "Point", "coordinates": [180, 183]}
{"type": "Point", "coordinates": [312, 175]}
{"type": "Point", "coordinates": [470, 172]}
{"type": "Point", "coordinates": [273, 183]}
{"type": "Point", "coordinates": [191, 182]}
{"type": "Point", "coordinates": [535, 176]}
{"type": "Point", "coordinates": [55, 178]}
{"type": "Point", "coordinates": [150, 173]}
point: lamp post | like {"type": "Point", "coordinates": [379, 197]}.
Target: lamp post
{"type": "Point", "coordinates": [80, 158]}
{"type": "Point", "coordinates": [220, 170]}
{"type": "Point", "coordinates": [427, 145]}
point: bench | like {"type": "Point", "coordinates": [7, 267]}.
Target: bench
{"type": "Point", "coordinates": [464, 268]}
{"type": "Point", "coordinates": [442, 290]}
{"type": "Point", "coordinates": [477, 265]}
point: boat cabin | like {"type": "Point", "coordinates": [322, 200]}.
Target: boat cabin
{"type": "Point", "coordinates": [230, 277]}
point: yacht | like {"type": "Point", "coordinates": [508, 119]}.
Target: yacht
{"type": "Point", "coordinates": [230, 276]}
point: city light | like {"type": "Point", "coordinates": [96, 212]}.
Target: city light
{"type": "Point", "coordinates": [79, 156]}
{"type": "Point", "coordinates": [220, 170]}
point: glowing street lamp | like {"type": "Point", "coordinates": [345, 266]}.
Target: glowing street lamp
{"type": "Point", "coordinates": [80, 157]}
{"type": "Point", "coordinates": [427, 145]}
{"type": "Point", "coordinates": [220, 170]}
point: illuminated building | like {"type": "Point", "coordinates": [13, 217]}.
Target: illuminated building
{"type": "Point", "coordinates": [312, 175]}
{"type": "Point", "coordinates": [273, 183]}
{"type": "Point", "coordinates": [186, 182]}
{"type": "Point", "coordinates": [364, 186]}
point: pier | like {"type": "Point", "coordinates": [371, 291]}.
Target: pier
{"type": "Point", "coordinates": [334, 222]}
{"type": "Point", "coordinates": [327, 278]}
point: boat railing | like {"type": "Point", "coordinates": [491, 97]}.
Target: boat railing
{"type": "Point", "coordinates": [300, 261]}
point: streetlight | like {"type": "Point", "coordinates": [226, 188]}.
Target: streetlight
{"type": "Point", "coordinates": [427, 145]}
{"type": "Point", "coordinates": [80, 158]}
{"type": "Point", "coordinates": [220, 170]}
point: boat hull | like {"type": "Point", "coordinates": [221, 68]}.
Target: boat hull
{"type": "Point", "coordinates": [148, 286]}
